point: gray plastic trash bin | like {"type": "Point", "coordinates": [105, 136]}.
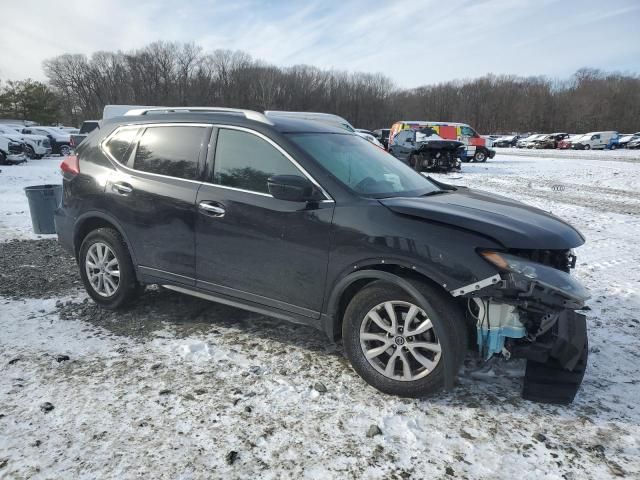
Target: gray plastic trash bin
{"type": "Point", "coordinates": [43, 201]}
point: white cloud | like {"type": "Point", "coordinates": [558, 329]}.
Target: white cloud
{"type": "Point", "coordinates": [412, 42]}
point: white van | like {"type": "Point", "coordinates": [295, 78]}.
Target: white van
{"type": "Point", "coordinates": [328, 118]}
{"type": "Point", "coordinates": [595, 141]}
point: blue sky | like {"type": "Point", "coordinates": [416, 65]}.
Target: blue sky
{"type": "Point", "coordinates": [413, 42]}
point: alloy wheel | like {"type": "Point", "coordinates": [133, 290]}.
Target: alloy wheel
{"type": "Point", "coordinates": [398, 340]}
{"type": "Point", "coordinates": [103, 269]}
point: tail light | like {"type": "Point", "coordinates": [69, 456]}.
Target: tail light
{"type": "Point", "coordinates": [71, 164]}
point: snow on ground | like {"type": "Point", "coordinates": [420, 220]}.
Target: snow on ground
{"type": "Point", "coordinates": [178, 387]}
{"type": "Point", "coordinates": [15, 221]}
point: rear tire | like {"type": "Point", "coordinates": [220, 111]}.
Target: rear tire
{"type": "Point", "coordinates": [29, 152]}
{"type": "Point", "coordinates": [3, 159]}
{"type": "Point", "coordinates": [360, 333]}
{"type": "Point", "coordinates": [110, 279]}
{"type": "Point", "coordinates": [587, 147]}
{"type": "Point", "coordinates": [480, 156]}
{"type": "Point", "coordinates": [65, 150]}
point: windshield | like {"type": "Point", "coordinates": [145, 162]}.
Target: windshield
{"type": "Point", "coordinates": [363, 167]}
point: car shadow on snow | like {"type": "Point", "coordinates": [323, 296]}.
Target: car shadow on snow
{"type": "Point", "coordinates": [159, 309]}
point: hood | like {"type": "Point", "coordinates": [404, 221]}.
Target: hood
{"type": "Point", "coordinates": [509, 222]}
{"type": "Point", "coordinates": [33, 136]}
{"type": "Point", "coordinates": [14, 138]}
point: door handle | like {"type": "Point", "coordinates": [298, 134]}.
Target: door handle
{"type": "Point", "coordinates": [211, 210]}
{"type": "Point", "coordinates": [121, 188]}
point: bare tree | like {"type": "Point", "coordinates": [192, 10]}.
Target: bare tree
{"type": "Point", "coordinates": [172, 74]}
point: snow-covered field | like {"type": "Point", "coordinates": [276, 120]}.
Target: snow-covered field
{"type": "Point", "coordinates": [181, 388]}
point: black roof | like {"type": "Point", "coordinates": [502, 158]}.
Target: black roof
{"type": "Point", "coordinates": [280, 124]}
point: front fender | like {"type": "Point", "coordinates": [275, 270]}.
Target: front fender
{"type": "Point", "coordinates": [409, 285]}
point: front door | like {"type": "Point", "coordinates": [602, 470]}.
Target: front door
{"type": "Point", "coordinates": [255, 247]}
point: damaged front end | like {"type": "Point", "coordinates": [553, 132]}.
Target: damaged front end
{"type": "Point", "coordinates": [528, 310]}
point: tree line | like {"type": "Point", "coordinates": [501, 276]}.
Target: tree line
{"type": "Point", "coordinates": [174, 74]}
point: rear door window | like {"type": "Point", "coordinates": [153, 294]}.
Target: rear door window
{"type": "Point", "coordinates": [119, 144]}
{"type": "Point", "coordinates": [172, 151]}
{"type": "Point", "coordinates": [245, 161]}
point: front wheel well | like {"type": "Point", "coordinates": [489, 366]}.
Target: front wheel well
{"type": "Point", "coordinates": [353, 288]}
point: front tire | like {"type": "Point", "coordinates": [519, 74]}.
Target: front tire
{"type": "Point", "coordinates": [391, 342]}
{"type": "Point", "coordinates": [106, 269]}
{"type": "Point", "coordinates": [414, 162]}
{"type": "Point", "coordinates": [30, 152]}
{"type": "Point", "coordinates": [587, 147]}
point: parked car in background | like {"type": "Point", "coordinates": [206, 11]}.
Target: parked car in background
{"type": "Point", "coordinates": [550, 141]}
{"type": "Point", "coordinates": [476, 148]}
{"type": "Point", "coordinates": [35, 146]}
{"type": "Point", "coordinates": [490, 139]}
{"type": "Point", "coordinates": [86, 128]}
{"type": "Point", "coordinates": [633, 144]}
{"type": "Point", "coordinates": [11, 151]}
{"type": "Point", "coordinates": [595, 141]}
{"type": "Point", "coordinates": [567, 142]}
{"type": "Point", "coordinates": [527, 142]}
{"type": "Point", "coordinates": [370, 138]}
{"type": "Point", "coordinates": [305, 222]}
{"type": "Point", "coordinates": [382, 134]}
{"type": "Point", "coordinates": [624, 140]}
{"type": "Point", "coordinates": [60, 140]}
{"type": "Point", "coordinates": [425, 150]}
{"type": "Point", "coordinates": [327, 118]}
{"type": "Point", "coordinates": [506, 141]}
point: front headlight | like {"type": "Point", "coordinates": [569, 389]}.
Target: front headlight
{"type": "Point", "coordinates": [544, 275]}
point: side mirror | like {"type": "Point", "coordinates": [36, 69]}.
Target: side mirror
{"type": "Point", "coordinates": [293, 188]}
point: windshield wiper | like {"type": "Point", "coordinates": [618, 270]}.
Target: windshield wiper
{"type": "Point", "coordinates": [435, 192]}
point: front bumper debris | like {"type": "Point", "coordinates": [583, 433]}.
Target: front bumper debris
{"type": "Point", "coordinates": [557, 379]}
{"type": "Point", "coordinates": [534, 319]}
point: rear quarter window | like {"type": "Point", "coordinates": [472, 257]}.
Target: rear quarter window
{"type": "Point", "coordinates": [119, 144]}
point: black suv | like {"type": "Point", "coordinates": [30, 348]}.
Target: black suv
{"type": "Point", "coordinates": [309, 223]}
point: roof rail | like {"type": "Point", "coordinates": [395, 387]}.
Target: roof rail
{"type": "Point", "coordinates": [249, 114]}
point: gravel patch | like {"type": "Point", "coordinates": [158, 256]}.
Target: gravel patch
{"type": "Point", "coordinates": [36, 269]}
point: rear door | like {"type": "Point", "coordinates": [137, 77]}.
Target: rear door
{"type": "Point", "coordinates": [252, 246]}
{"type": "Point", "coordinates": [154, 195]}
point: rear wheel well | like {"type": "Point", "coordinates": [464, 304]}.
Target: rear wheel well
{"type": "Point", "coordinates": [88, 226]}
{"type": "Point", "coordinates": [356, 286]}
